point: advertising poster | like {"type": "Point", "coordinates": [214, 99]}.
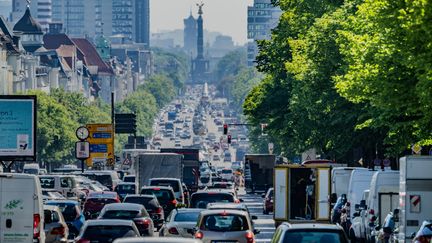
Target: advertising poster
{"type": "Point", "coordinates": [17, 127]}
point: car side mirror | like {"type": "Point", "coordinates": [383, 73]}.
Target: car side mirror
{"type": "Point", "coordinates": [256, 231]}
{"type": "Point", "coordinates": [254, 217]}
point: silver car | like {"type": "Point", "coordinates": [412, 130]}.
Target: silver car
{"type": "Point", "coordinates": [56, 230]}
{"type": "Point", "coordinates": [224, 225]}
{"type": "Point", "coordinates": [181, 223]}
{"type": "Point", "coordinates": [157, 240]}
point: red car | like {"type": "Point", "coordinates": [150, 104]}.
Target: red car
{"type": "Point", "coordinates": [268, 201]}
{"type": "Point", "coordinates": [96, 201]}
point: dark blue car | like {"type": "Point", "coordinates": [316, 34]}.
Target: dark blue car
{"type": "Point", "coordinates": [72, 214]}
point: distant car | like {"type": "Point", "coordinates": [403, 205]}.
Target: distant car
{"type": "Point", "coordinates": [96, 201]}
{"type": "Point", "coordinates": [216, 157]}
{"type": "Point", "coordinates": [225, 226]}
{"type": "Point", "coordinates": [72, 214]}
{"type": "Point", "coordinates": [107, 230]}
{"type": "Point", "coordinates": [157, 240]}
{"type": "Point", "coordinates": [152, 206]}
{"type": "Point", "coordinates": [129, 178]}
{"type": "Point", "coordinates": [56, 229]}
{"type": "Point", "coordinates": [268, 201]}
{"type": "Point", "coordinates": [165, 196]}
{"type": "Point", "coordinates": [200, 199]}
{"type": "Point", "coordinates": [125, 188]}
{"type": "Point", "coordinates": [222, 185]}
{"type": "Point", "coordinates": [227, 174]}
{"type": "Point", "coordinates": [181, 223]}
{"type": "Point", "coordinates": [174, 183]}
{"type": "Point", "coordinates": [108, 178]}
{"type": "Point", "coordinates": [130, 211]}
{"type": "Point", "coordinates": [309, 233]}
{"type": "Point", "coordinates": [232, 206]}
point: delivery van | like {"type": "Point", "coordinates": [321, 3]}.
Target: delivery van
{"type": "Point", "coordinates": [359, 182]}
{"type": "Point", "coordinates": [383, 198]}
{"type": "Point", "coordinates": [21, 210]}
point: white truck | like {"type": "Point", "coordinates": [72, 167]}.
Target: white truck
{"type": "Point", "coordinates": [158, 165]}
{"type": "Point", "coordinates": [415, 194]}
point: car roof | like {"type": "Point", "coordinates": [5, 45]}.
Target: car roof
{"type": "Point", "coordinates": [129, 176]}
{"type": "Point", "coordinates": [55, 202]}
{"type": "Point", "coordinates": [51, 207]}
{"type": "Point", "coordinates": [313, 226]}
{"type": "Point", "coordinates": [109, 194]}
{"type": "Point", "coordinates": [110, 222]}
{"type": "Point", "coordinates": [186, 210]}
{"type": "Point", "coordinates": [126, 183]}
{"type": "Point", "coordinates": [160, 187]}
{"type": "Point", "coordinates": [123, 206]}
{"type": "Point", "coordinates": [223, 211]}
{"type": "Point", "coordinates": [141, 195]}
{"type": "Point", "coordinates": [163, 178]}
{"type": "Point", "coordinates": [157, 240]}
{"type": "Point", "coordinates": [232, 206]}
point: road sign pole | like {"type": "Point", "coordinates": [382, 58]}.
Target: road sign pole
{"type": "Point", "coordinates": [82, 165]}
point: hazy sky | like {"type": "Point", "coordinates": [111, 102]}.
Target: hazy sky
{"type": "Point", "coordinates": [226, 16]}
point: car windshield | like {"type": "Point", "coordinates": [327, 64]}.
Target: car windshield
{"type": "Point", "coordinates": [171, 183]}
{"type": "Point", "coordinates": [148, 202]}
{"type": "Point", "coordinates": [108, 233]}
{"type": "Point", "coordinates": [69, 211]}
{"type": "Point", "coordinates": [101, 200]}
{"type": "Point", "coordinates": [161, 195]}
{"type": "Point", "coordinates": [187, 216]}
{"type": "Point", "coordinates": [222, 186]}
{"type": "Point", "coordinates": [312, 236]}
{"type": "Point", "coordinates": [125, 189]}
{"type": "Point", "coordinates": [129, 179]}
{"type": "Point", "coordinates": [226, 171]}
{"type": "Point", "coordinates": [120, 214]}
{"type": "Point", "coordinates": [201, 200]}
{"type": "Point", "coordinates": [47, 183]}
{"type": "Point", "coordinates": [31, 171]}
{"type": "Point", "coordinates": [205, 179]}
{"type": "Point", "coordinates": [105, 180]}
{"type": "Point", "coordinates": [224, 223]}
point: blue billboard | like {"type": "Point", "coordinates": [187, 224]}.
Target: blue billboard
{"type": "Point", "coordinates": [17, 127]}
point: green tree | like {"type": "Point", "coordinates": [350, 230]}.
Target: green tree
{"type": "Point", "coordinates": [162, 88]}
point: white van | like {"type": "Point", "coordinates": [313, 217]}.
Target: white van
{"type": "Point", "coordinates": [383, 197]}
{"type": "Point", "coordinates": [340, 180]}
{"type": "Point", "coordinates": [32, 169]}
{"type": "Point", "coordinates": [21, 210]}
{"type": "Point", "coordinates": [359, 182]}
{"type": "Point", "coordinates": [64, 184]}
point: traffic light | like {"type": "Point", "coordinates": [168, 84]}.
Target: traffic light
{"type": "Point", "coordinates": [229, 139]}
{"type": "Point", "coordinates": [125, 123]}
{"type": "Point", "coordinates": [225, 129]}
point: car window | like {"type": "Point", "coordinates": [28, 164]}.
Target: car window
{"type": "Point", "coordinates": [312, 236]}
{"type": "Point", "coordinates": [201, 200]}
{"type": "Point", "coordinates": [205, 179]}
{"type": "Point", "coordinates": [186, 216]}
{"type": "Point", "coordinates": [148, 202]}
{"type": "Point", "coordinates": [173, 184]}
{"type": "Point", "coordinates": [66, 182]}
{"type": "Point", "coordinates": [47, 183]}
{"type": "Point", "coordinates": [101, 200]}
{"type": "Point", "coordinates": [161, 195]}
{"type": "Point", "coordinates": [120, 214]}
{"type": "Point", "coordinates": [103, 233]}
{"type": "Point", "coordinates": [129, 179]}
{"type": "Point", "coordinates": [69, 211]}
{"type": "Point", "coordinates": [105, 180]}
{"type": "Point", "coordinates": [224, 223]}
{"type": "Point", "coordinates": [125, 188]}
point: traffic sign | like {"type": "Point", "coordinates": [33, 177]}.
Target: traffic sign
{"type": "Point", "coordinates": [82, 150]}
{"type": "Point", "coordinates": [101, 141]}
{"type": "Point", "coordinates": [416, 148]}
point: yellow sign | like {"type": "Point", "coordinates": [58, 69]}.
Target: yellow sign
{"type": "Point", "coordinates": [101, 139]}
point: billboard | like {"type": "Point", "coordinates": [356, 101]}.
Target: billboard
{"type": "Point", "coordinates": [17, 127]}
{"type": "Point", "coordinates": [101, 139]}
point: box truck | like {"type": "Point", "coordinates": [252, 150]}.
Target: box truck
{"type": "Point", "coordinates": [415, 194]}
{"type": "Point", "coordinates": [259, 171]}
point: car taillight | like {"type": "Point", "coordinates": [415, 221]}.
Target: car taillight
{"type": "Point", "coordinates": [36, 223]}
{"type": "Point", "coordinates": [145, 222]}
{"type": "Point", "coordinates": [250, 237]}
{"type": "Point", "coordinates": [58, 231]}
{"type": "Point", "coordinates": [173, 231]}
{"type": "Point", "coordinates": [83, 241]}
{"type": "Point", "coordinates": [236, 201]}
{"type": "Point", "coordinates": [174, 202]}
{"type": "Point", "coordinates": [158, 210]}
{"type": "Point", "coordinates": [199, 235]}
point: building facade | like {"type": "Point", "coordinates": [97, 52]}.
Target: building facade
{"type": "Point", "coordinates": [262, 18]}
{"type": "Point", "coordinates": [41, 10]}
{"type": "Point", "coordinates": [122, 19]}
{"type": "Point", "coordinates": [190, 35]}
{"type": "Point", "coordinates": [142, 21]}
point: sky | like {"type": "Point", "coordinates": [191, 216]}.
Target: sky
{"type": "Point", "coordinates": [228, 17]}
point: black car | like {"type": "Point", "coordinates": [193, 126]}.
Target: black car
{"type": "Point", "coordinates": [151, 203]}
{"type": "Point", "coordinates": [165, 196]}
{"type": "Point", "coordinates": [202, 198]}
{"type": "Point", "coordinates": [286, 233]}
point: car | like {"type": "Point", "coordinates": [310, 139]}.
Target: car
{"type": "Point", "coordinates": [174, 183]}
{"type": "Point", "coordinates": [227, 174]}
{"type": "Point", "coordinates": [157, 240]}
{"type": "Point", "coordinates": [309, 233]}
{"type": "Point", "coordinates": [165, 196]}
{"type": "Point", "coordinates": [231, 206]}
{"type": "Point", "coordinates": [125, 188]}
{"type": "Point", "coordinates": [72, 214]}
{"type": "Point", "coordinates": [225, 226]}
{"type": "Point", "coordinates": [65, 184]}
{"type": "Point", "coordinates": [222, 185]}
{"type": "Point", "coordinates": [268, 201]}
{"type": "Point", "coordinates": [48, 195]}
{"type": "Point", "coordinates": [56, 229]}
{"type": "Point", "coordinates": [129, 178]}
{"type": "Point", "coordinates": [108, 178]}
{"type": "Point", "coordinates": [130, 211]}
{"type": "Point", "coordinates": [181, 222]}
{"type": "Point", "coordinates": [216, 157]}
{"type": "Point", "coordinates": [96, 201]}
{"type": "Point", "coordinates": [107, 230]}
{"type": "Point", "coordinates": [177, 144]}
{"type": "Point", "coordinates": [200, 199]}
{"type": "Point", "coordinates": [152, 206]}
